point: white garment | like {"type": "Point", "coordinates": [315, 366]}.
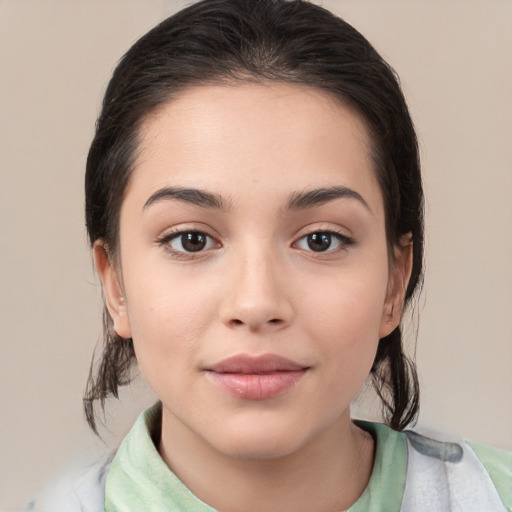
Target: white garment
{"type": "Point", "coordinates": [82, 490]}
{"type": "Point", "coordinates": [446, 477]}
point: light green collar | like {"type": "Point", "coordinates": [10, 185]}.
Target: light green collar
{"type": "Point", "coordinates": [139, 479]}
{"type": "Point", "coordinates": [385, 489]}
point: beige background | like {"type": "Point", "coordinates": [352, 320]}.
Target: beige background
{"type": "Point", "coordinates": [455, 61]}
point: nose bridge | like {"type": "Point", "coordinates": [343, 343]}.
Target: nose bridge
{"type": "Point", "coordinates": [256, 295]}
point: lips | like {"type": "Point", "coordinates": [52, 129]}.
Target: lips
{"type": "Point", "coordinates": [256, 377]}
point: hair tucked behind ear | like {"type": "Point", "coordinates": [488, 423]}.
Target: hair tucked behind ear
{"type": "Point", "coordinates": [114, 370]}
{"type": "Point", "coordinates": [229, 41]}
{"type": "Point", "coordinates": [395, 380]}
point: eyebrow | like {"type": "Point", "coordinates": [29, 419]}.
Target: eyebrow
{"type": "Point", "coordinates": [297, 200]}
{"type": "Point", "coordinates": [188, 195]}
{"type": "Point", "coordinates": [320, 196]}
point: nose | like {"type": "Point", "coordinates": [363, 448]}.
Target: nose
{"type": "Point", "coordinates": [256, 294]}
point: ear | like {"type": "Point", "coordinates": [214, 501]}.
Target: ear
{"type": "Point", "coordinates": [399, 276]}
{"type": "Point", "coordinates": [112, 290]}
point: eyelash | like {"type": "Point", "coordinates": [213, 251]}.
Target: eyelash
{"type": "Point", "coordinates": [167, 238]}
{"type": "Point", "coordinates": [343, 242]}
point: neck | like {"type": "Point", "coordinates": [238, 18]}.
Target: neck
{"type": "Point", "coordinates": [328, 474]}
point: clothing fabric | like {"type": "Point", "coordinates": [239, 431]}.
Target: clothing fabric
{"type": "Point", "coordinates": [79, 490]}
{"type": "Point", "coordinates": [427, 475]}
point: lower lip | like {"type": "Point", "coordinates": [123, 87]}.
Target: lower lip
{"type": "Point", "coordinates": [251, 386]}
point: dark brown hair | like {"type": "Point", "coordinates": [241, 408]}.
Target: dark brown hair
{"type": "Point", "coordinates": [293, 41]}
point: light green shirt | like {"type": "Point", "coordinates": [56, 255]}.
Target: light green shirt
{"type": "Point", "coordinates": [139, 479]}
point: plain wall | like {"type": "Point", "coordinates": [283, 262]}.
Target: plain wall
{"type": "Point", "coordinates": [455, 62]}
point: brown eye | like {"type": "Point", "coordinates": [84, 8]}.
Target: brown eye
{"type": "Point", "coordinates": [190, 241]}
{"type": "Point", "coordinates": [193, 242]}
{"type": "Point", "coordinates": [319, 242]}
{"type": "Point", "coordinates": [324, 241]}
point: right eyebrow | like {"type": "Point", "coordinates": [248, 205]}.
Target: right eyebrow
{"type": "Point", "coordinates": [189, 195]}
{"type": "Point", "coordinates": [319, 196]}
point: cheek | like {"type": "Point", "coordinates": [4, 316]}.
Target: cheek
{"type": "Point", "coordinates": [344, 316]}
{"type": "Point", "coordinates": [168, 317]}
{"type": "Point", "coordinates": [349, 302]}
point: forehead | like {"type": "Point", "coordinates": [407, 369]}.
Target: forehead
{"type": "Point", "coordinates": [279, 135]}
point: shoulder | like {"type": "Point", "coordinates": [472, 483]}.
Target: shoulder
{"type": "Point", "coordinates": [498, 463]}
{"type": "Point", "coordinates": [470, 476]}
{"type": "Point", "coordinates": [80, 489]}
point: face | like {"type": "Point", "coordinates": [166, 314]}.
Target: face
{"type": "Point", "coordinates": [253, 266]}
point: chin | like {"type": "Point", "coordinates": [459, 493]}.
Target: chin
{"type": "Point", "coordinates": [259, 440]}
{"type": "Point", "coordinates": [259, 448]}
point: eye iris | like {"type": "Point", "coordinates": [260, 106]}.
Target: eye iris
{"type": "Point", "coordinates": [319, 241]}
{"type": "Point", "coordinates": [193, 242]}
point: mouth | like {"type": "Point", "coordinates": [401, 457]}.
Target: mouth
{"type": "Point", "coordinates": [256, 377]}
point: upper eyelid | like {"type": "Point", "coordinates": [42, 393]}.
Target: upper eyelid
{"type": "Point", "coordinates": [344, 240]}
{"type": "Point", "coordinates": [174, 232]}
{"type": "Point", "coordinates": [341, 232]}
{"type": "Point", "coordinates": [335, 234]}
{"type": "Point", "coordinates": [165, 240]}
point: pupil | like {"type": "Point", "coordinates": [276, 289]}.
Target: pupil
{"type": "Point", "coordinates": [193, 242]}
{"type": "Point", "coordinates": [319, 241]}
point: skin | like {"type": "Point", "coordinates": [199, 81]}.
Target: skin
{"type": "Point", "coordinates": [257, 288]}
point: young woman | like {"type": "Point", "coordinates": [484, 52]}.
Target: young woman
{"type": "Point", "coordinates": [255, 209]}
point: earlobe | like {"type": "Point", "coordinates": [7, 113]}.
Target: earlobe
{"type": "Point", "coordinates": [112, 290]}
{"type": "Point", "coordinates": [400, 274]}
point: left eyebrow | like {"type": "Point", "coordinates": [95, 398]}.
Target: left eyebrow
{"type": "Point", "coordinates": [188, 195]}
{"type": "Point", "coordinates": [320, 196]}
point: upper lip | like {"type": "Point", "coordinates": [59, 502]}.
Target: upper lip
{"type": "Point", "coordinates": [246, 363]}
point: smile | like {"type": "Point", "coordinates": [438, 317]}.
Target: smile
{"type": "Point", "coordinates": [256, 377]}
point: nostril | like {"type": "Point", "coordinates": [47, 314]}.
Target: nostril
{"type": "Point", "coordinates": [238, 322]}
